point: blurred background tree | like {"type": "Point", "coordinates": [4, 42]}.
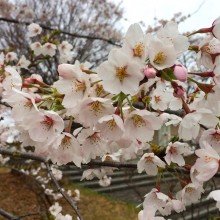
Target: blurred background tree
{"type": "Point", "coordinates": [97, 18]}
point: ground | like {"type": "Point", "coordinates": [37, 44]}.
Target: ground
{"type": "Point", "coordinates": [21, 196]}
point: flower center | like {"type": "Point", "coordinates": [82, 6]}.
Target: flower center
{"type": "Point", "coordinates": [206, 49]}
{"type": "Point", "coordinates": [160, 58]}
{"type": "Point", "coordinates": [138, 50]}
{"type": "Point", "coordinates": [111, 124]}
{"type": "Point", "coordinates": [99, 89]}
{"type": "Point", "coordinates": [148, 159]}
{"type": "Point", "coordinates": [189, 190]}
{"type": "Point", "coordinates": [173, 150]}
{"type": "Point", "coordinates": [80, 86]}
{"type": "Point", "coordinates": [138, 121]}
{"type": "Point", "coordinates": [216, 136]}
{"type": "Point", "coordinates": [94, 138]}
{"type": "Point", "coordinates": [37, 45]}
{"type": "Point", "coordinates": [47, 123]}
{"type": "Point", "coordinates": [96, 107]}
{"type": "Point", "coordinates": [208, 159]}
{"type": "Point", "coordinates": [66, 142]}
{"type": "Point", "coordinates": [157, 99]}
{"type": "Point", "coordinates": [121, 72]}
{"type": "Point", "coordinates": [28, 104]}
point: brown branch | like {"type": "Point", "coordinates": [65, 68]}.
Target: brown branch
{"type": "Point", "coordinates": [61, 31]}
{"type": "Point", "coordinates": [91, 163]}
{"type": "Point", "coordinates": [8, 215]}
{"type": "Point", "coordinates": [111, 164]}
{"type": "Point", "coordinates": [68, 199]}
{"type": "Point", "coordinates": [4, 103]}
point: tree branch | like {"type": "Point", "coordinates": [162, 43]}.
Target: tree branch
{"type": "Point", "coordinates": [68, 199]}
{"type": "Point", "coordinates": [8, 215]}
{"type": "Point", "coordinates": [62, 31]}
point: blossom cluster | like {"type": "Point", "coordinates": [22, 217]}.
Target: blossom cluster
{"type": "Point", "coordinates": [112, 112]}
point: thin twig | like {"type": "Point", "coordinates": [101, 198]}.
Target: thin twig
{"type": "Point", "coordinates": [61, 31]}
{"type": "Point", "coordinates": [8, 215]}
{"type": "Point", "coordinates": [68, 199]}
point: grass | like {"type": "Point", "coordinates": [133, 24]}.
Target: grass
{"type": "Point", "coordinates": [94, 206]}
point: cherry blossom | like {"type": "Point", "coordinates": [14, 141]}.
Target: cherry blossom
{"type": "Point", "coordinates": [92, 109]}
{"type": "Point", "coordinates": [140, 125]}
{"type": "Point", "coordinates": [212, 137]}
{"type": "Point", "coordinates": [175, 152]}
{"type": "Point", "coordinates": [207, 164]}
{"type": "Point", "coordinates": [120, 73]}
{"type": "Point", "coordinates": [135, 43]}
{"type": "Point", "coordinates": [170, 35]}
{"type": "Point", "coordinates": [34, 30]}
{"type": "Point", "coordinates": [191, 193]}
{"type": "Point", "coordinates": [37, 48]}
{"type": "Point", "coordinates": [45, 126]}
{"type": "Point", "coordinates": [11, 56]}
{"type": "Point", "coordinates": [161, 55]}
{"type": "Point", "coordinates": [148, 213]}
{"type": "Point", "coordinates": [150, 163]}
{"type": "Point", "coordinates": [48, 49]}
{"type": "Point", "coordinates": [216, 196]}
{"type": "Point", "coordinates": [66, 149]}
{"type": "Point", "coordinates": [111, 127]}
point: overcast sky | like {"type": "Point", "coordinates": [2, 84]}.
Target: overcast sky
{"type": "Point", "coordinates": [146, 10]}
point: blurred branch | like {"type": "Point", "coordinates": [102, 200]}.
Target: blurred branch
{"type": "Point", "coordinates": [4, 103]}
{"type": "Point", "coordinates": [91, 163]}
{"type": "Point", "coordinates": [60, 190]}
{"type": "Point", "coordinates": [8, 215]}
{"type": "Point", "coordinates": [62, 31]}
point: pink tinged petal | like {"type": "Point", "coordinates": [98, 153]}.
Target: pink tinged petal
{"type": "Point", "coordinates": [113, 86]}
{"type": "Point", "coordinates": [155, 122]}
{"type": "Point", "coordinates": [158, 162]}
{"type": "Point", "coordinates": [168, 158]}
{"type": "Point", "coordinates": [64, 86]}
{"type": "Point", "coordinates": [215, 195]}
{"type": "Point", "coordinates": [143, 135]}
{"type": "Point", "coordinates": [140, 166]}
{"type": "Point", "coordinates": [106, 71]}
{"type": "Point", "coordinates": [176, 158]}
{"type": "Point", "coordinates": [178, 205]}
{"type": "Point", "coordinates": [118, 58]}
{"type": "Point", "coordinates": [181, 44]}
{"type": "Point", "coordinates": [134, 34]}
{"type": "Point", "coordinates": [151, 169]}
{"type": "Point", "coordinates": [208, 151]}
{"type": "Point", "coordinates": [130, 85]}
{"type": "Point", "coordinates": [67, 71]}
{"type": "Point", "coordinates": [175, 104]}
{"type": "Point", "coordinates": [209, 120]}
{"type": "Point", "coordinates": [216, 31]}
{"type": "Point", "coordinates": [207, 168]}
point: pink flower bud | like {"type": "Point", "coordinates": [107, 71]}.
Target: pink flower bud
{"type": "Point", "coordinates": [150, 72]}
{"type": "Point", "coordinates": [178, 92]}
{"type": "Point", "coordinates": [180, 72]}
